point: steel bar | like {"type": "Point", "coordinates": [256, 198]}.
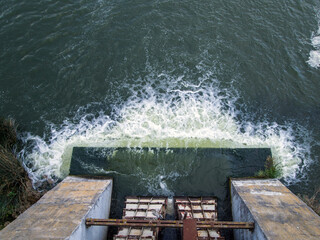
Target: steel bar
{"type": "Point", "coordinates": [167, 223]}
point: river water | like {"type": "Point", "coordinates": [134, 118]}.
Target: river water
{"type": "Point", "coordinates": [168, 74]}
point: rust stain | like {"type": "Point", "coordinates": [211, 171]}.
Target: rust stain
{"type": "Point", "coordinates": [190, 229]}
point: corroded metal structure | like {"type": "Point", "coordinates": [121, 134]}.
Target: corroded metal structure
{"type": "Point", "coordinates": [143, 217]}
{"type": "Point", "coordinates": [137, 208]}
{"type": "Point", "coordinates": [200, 209]}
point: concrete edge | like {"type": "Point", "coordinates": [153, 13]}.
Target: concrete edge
{"type": "Point", "coordinates": [259, 232]}
{"type": "Point", "coordinates": [82, 229]}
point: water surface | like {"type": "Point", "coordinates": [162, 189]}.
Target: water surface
{"type": "Point", "coordinates": [163, 74]}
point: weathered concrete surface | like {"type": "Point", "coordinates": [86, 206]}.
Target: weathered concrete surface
{"type": "Point", "coordinates": [277, 212]}
{"type": "Point", "coordinates": [61, 213]}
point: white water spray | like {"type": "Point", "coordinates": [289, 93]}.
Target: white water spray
{"type": "Point", "coordinates": [199, 116]}
{"type": "Point", "coordinates": [314, 57]}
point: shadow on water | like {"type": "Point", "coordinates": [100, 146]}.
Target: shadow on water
{"type": "Point", "coordinates": [169, 172]}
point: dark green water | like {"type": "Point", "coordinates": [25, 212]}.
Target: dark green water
{"type": "Point", "coordinates": [163, 74]}
{"type": "Point", "coordinates": [169, 172]}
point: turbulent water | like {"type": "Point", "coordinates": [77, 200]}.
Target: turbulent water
{"type": "Point", "coordinates": [314, 59]}
{"type": "Point", "coordinates": [163, 74]}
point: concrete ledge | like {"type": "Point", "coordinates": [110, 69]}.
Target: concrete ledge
{"type": "Point", "coordinates": [277, 212]}
{"type": "Point", "coordinates": [61, 212]}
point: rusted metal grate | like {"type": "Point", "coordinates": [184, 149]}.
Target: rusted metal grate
{"type": "Point", "coordinates": [144, 216]}
{"type": "Point", "coordinates": [201, 209]}
{"type": "Point", "coordinates": [168, 223]}
{"type": "Point", "coordinates": [142, 208]}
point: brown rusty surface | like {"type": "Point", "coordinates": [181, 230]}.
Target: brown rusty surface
{"type": "Point", "coordinates": [201, 209]}
{"type": "Point", "coordinates": [139, 208]}
{"type": "Point", "coordinates": [190, 229]}
{"type": "Point", "coordinates": [279, 213]}
{"type": "Point", "coordinates": [58, 213]}
{"type": "Point", "coordinates": [168, 223]}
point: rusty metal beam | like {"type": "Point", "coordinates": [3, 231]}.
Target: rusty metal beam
{"type": "Point", "coordinates": [167, 223]}
{"type": "Point", "coordinates": [190, 229]}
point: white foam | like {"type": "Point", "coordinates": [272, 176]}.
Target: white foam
{"type": "Point", "coordinates": [316, 41]}
{"type": "Point", "coordinates": [314, 56]}
{"type": "Point", "coordinates": [199, 116]}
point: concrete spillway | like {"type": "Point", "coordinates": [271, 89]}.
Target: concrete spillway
{"type": "Point", "coordinates": [277, 212]}
{"type": "Point", "coordinates": [61, 213]}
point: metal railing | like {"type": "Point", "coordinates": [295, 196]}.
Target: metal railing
{"type": "Point", "coordinates": [168, 223]}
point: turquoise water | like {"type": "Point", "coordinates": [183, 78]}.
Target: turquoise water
{"type": "Point", "coordinates": [163, 74]}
